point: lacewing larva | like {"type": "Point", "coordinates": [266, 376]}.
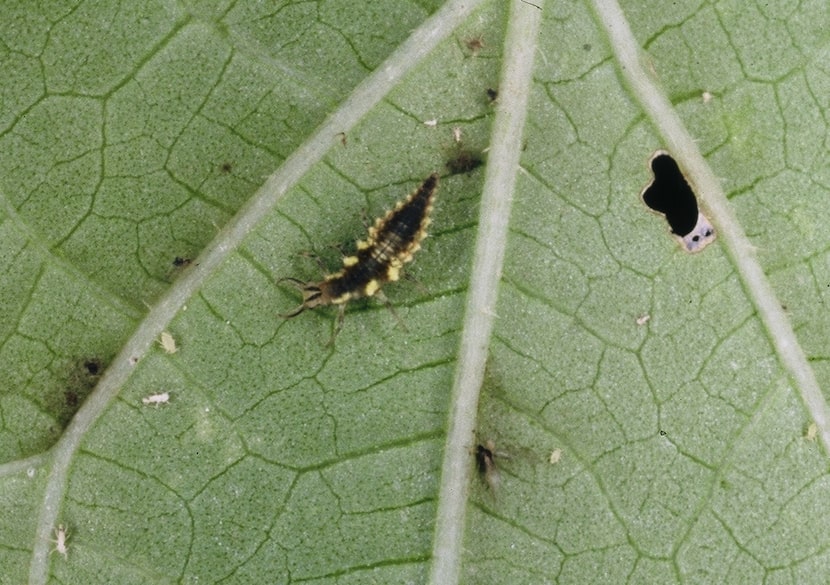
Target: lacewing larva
{"type": "Point", "coordinates": [391, 242]}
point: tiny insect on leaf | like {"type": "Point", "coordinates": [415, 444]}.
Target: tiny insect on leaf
{"type": "Point", "coordinates": [475, 45]}
{"type": "Point", "coordinates": [156, 399]}
{"type": "Point", "coordinates": [485, 455]}
{"type": "Point", "coordinates": [61, 536]}
{"type": "Point", "coordinates": [484, 458]}
{"type": "Point", "coordinates": [168, 342]}
{"type": "Point", "coordinates": [391, 242]}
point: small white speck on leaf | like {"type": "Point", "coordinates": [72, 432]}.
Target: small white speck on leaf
{"type": "Point", "coordinates": [156, 399]}
{"type": "Point", "coordinates": [167, 342]}
{"type": "Point", "coordinates": [701, 235]}
{"type": "Point", "coordinates": [643, 319]}
{"type": "Point", "coordinates": [431, 123]}
{"type": "Point", "coordinates": [812, 432]}
{"type": "Point", "coordinates": [555, 456]}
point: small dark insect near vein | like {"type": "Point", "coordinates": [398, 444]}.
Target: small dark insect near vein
{"type": "Point", "coordinates": [486, 464]}
{"type": "Point", "coordinates": [392, 241]}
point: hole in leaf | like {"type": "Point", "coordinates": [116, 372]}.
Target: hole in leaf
{"type": "Point", "coordinates": [671, 195]}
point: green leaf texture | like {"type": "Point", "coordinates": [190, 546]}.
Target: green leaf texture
{"type": "Point", "coordinates": [655, 416]}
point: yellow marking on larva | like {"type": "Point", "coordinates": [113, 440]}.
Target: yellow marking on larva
{"type": "Point", "coordinates": [372, 287]}
{"type": "Point", "coordinates": [343, 299]}
{"type": "Point", "coordinates": [392, 241]}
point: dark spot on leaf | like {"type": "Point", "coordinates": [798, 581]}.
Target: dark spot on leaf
{"type": "Point", "coordinates": [464, 161]}
{"type": "Point", "coordinates": [92, 366]}
{"type": "Point", "coordinates": [492, 94]}
{"type": "Point", "coordinates": [71, 399]}
{"type": "Point", "coordinates": [226, 167]}
{"type": "Point", "coordinates": [75, 385]}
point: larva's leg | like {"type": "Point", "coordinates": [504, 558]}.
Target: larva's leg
{"type": "Point", "coordinates": [338, 324]}
{"type": "Point", "coordinates": [382, 298]}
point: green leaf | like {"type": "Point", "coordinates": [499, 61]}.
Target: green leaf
{"type": "Point", "coordinates": [654, 416]}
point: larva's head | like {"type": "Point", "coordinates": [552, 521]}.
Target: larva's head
{"type": "Point", "coordinates": [313, 296]}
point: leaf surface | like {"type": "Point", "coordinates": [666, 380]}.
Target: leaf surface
{"type": "Point", "coordinates": [649, 410]}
